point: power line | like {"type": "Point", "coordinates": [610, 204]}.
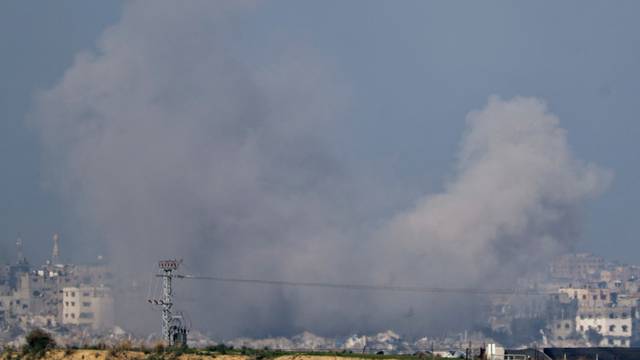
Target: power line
{"type": "Point", "coordinates": [397, 288]}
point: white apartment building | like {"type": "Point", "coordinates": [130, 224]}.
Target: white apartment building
{"type": "Point", "coordinates": [599, 311]}
{"type": "Point", "coordinates": [614, 324]}
{"type": "Point", "coordinates": [87, 306]}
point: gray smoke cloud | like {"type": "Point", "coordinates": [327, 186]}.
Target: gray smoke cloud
{"type": "Point", "coordinates": [169, 142]}
{"type": "Point", "coordinates": [515, 198]}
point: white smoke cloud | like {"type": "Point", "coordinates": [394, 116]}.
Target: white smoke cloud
{"type": "Point", "coordinates": [169, 143]}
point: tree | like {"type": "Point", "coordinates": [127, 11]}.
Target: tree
{"type": "Point", "coordinates": [594, 337]}
{"type": "Point", "coordinates": [39, 341]}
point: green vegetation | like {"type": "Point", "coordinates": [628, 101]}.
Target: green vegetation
{"type": "Point", "coordinates": [266, 353]}
{"type": "Point", "coordinates": [38, 342]}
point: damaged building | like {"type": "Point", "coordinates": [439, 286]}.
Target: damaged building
{"type": "Point", "coordinates": [35, 297]}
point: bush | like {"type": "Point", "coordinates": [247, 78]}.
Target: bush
{"type": "Point", "coordinates": [159, 347]}
{"type": "Point", "coordinates": [219, 348]}
{"type": "Point", "coordinates": [8, 351]}
{"type": "Point", "coordinates": [39, 341]}
{"type": "Point", "coordinates": [594, 337]}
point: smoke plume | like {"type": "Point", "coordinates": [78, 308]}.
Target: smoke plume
{"type": "Point", "coordinates": [168, 141]}
{"type": "Point", "coordinates": [515, 198]}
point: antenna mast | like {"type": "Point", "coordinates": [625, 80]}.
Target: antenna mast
{"type": "Point", "coordinates": [20, 255]}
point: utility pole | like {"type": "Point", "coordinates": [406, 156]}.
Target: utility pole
{"type": "Point", "coordinates": [167, 267]}
{"type": "Point", "coordinates": [173, 331]}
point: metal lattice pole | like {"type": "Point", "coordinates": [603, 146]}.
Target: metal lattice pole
{"type": "Point", "coordinates": [167, 303]}
{"type": "Point", "coordinates": [168, 267]}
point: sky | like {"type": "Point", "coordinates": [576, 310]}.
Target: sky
{"type": "Point", "coordinates": [415, 69]}
{"type": "Point", "coordinates": [346, 116]}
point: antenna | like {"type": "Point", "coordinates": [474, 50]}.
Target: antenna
{"type": "Point", "coordinates": [174, 332]}
{"type": "Point", "coordinates": [20, 254]}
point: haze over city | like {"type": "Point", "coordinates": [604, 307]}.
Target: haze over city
{"type": "Point", "coordinates": [395, 144]}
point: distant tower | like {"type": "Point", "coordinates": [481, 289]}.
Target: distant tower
{"type": "Point", "coordinates": [20, 254]}
{"type": "Point", "coordinates": [55, 254]}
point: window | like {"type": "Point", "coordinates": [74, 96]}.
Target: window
{"type": "Point", "coordinates": [624, 315]}
{"type": "Point", "coordinates": [73, 315]}
{"type": "Point", "coordinates": [558, 326]}
{"type": "Point", "coordinates": [73, 303]}
{"type": "Point", "coordinates": [66, 315]}
{"type": "Point", "coordinates": [625, 328]}
{"type": "Point", "coordinates": [86, 294]}
{"type": "Point", "coordinates": [582, 316]}
{"type": "Point", "coordinates": [610, 341]}
{"type": "Point", "coordinates": [73, 293]}
{"type": "Point", "coordinates": [584, 297]}
{"type": "Point", "coordinates": [603, 297]}
{"type": "Point", "coordinates": [86, 315]}
{"type": "Point", "coordinates": [86, 304]}
{"type": "Point", "coordinates": [595, 297]}
{"type": "Point", "coordinates": [581, 328]}
{"type": "Point", "coordinates": [567, 326]}
{"type": "Point", "coordinates": [612, 328]}
{"type": "Point", "coordinates": [66, 303]}
{"type": "Point", "coordinates": [599, 328]}
{"type": "Point", "coordinates": [612, 316]}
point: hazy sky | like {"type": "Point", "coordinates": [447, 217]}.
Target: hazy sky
{"type": "Point", "coordinates": [413, 70]}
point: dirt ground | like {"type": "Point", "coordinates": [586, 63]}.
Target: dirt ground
{"type": "Point", "coordinates": [137, 355]}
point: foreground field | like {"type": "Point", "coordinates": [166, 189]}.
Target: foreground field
{"type": "Point", "coordinates": [140, 355]}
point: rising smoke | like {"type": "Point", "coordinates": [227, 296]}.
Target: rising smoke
{"type": "Point", "coordinates": [169, 142]}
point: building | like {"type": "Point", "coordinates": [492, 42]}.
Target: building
{"type": "Point", "coordinates": [615, 325]}
{"type": "Point", "coordinates": [87, 306]}
{"type": "Point", "coordinates": [561, 314]}
{"type": "Point", "coordinates": [582, 266]}
{"type": "Point", "coordinates": [603, 317]}
{"type": "Point", "coordinates": [591, 296]}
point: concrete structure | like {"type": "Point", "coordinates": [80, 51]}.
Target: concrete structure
{"type": "Point", "coordinates": [601, 318]}
{"type": "Point", "coordinates": [591, 296]}
{"type": "Point", "coordinates": [583, 266]}
{"type": "Point", "coordinates": [494, 352]}
{"type": "Point", "coordinates": [87, 306]}
{"type": "Point", "coordinates": [614, 324]}
{"type": "Point", "coordinates": [561, 314]}
{"type": "Point", "coordinates": [582, 353]}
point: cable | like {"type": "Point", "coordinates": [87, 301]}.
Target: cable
{"type": "Point", "coordinates": [434, 290]}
